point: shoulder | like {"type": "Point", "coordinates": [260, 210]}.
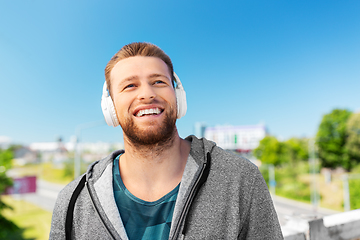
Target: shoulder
{"type": "Point", "coordinates": [230, 160]}
{"type": "Point", "coordinates": [93, 172]}
{"type": "Point", "coordinates": [231, 169]}
{"type": "Point", "coordinates": [221, 160]}
{"type": "Point", "coordinates": [59, 213]}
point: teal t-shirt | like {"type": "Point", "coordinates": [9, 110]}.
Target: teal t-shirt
{"type": "Point", "coordinates": [142, 219]}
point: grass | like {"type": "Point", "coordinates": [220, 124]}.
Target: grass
{"type": "Point", "coordinates": [45, 171]}
{"type": "Point", "coordinates": [331, 193]}
{"type": "Point", "coordinates": [56, 175]}
{"type": "Point", "coordinates": [294, 182]}
{"type": "Point", "coordinates": [32, 218]}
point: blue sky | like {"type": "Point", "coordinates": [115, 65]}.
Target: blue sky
{"type": "Point", "coordinates": [281, 63]}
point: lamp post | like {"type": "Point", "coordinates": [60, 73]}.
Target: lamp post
{"type": "Point", "coordinates": [77, 149]}
{"type": "Point", "coordinates": [312, 165]}
{"type": "Point", "coordinates": [272, 181]}
{"type": "Point", "coordinates": [345, 178]}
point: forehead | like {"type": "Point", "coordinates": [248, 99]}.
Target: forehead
{"type": "Point", "coordinates": [139, 66]}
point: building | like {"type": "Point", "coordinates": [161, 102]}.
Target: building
{"type": "Point", "coordinates": [24, 155]}
{"type": "Point", "coordinates": [242, 139]}
{"type": "Point", "coordinates": [55, 152]}
{"type": "Point", "coordinates": [59, 152]}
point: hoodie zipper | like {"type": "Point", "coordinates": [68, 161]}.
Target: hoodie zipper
{"type": "Point", "coordinates": [190, 199]}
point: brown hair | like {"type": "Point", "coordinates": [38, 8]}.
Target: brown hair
{"type": "Point", "coordinates": [137, 49]}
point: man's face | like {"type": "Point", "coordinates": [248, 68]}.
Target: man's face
{"type": "Point", "coordinates": [144, 99]}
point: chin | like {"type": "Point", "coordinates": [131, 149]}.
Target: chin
{"type": "Point", "coordinates": [151, 135]}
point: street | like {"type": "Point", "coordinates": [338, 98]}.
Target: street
{"type": "Point", "coordinates": [287, 209]}
{"type": "Point", "coordinates": [45, 195]}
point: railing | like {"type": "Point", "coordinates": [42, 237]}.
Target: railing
{"type": "Point", "coordinates": [344, 226]}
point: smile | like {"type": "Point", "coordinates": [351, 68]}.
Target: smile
{"type": "Point", "coordinates": [147, 112]}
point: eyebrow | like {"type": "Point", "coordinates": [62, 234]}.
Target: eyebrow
{"type": "Point", "coordinates": [130, 79]}
{"type": "Point", "coordinates": [125, 80]}
{"type": "Point", "coordinates": [155, 75]}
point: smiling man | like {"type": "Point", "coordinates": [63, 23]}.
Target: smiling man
{"type": "Point", "coordinates": [161, 186]}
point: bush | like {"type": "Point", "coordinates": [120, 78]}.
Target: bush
{"type": "Point", "coordinates": [8, 230]}
{"type": "Point", "coordinates": [288, 181]}
{"type": "Point", "coordinates": [354, 189]}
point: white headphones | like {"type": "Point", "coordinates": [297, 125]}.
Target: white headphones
{"type": "Point", "coordinates": [109, 112]}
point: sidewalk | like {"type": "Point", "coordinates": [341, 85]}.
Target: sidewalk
{"type": "Point", "coordinates": [308, 206]}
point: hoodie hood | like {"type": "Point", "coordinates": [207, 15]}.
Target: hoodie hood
{"type": "Point", "coordinates": [199, 150]}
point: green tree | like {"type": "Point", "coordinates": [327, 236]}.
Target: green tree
{"type": "Point", "coordinates": [331, 139]}
{"type": "Point", "coordinates": [352, 145]}
{"type": "Point", "coordinates": [297, 149]}
{"type": "Point", "coordinates": [8, 230]}
{"type": "Point", "coordinates": [6, 157]}
{"type": "Point", "coordinates": [270, 151]}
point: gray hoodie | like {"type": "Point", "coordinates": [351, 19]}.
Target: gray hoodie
{"type": "Point", "coordinates": [221, 196]}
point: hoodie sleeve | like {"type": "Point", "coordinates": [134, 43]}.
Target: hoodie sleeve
{"type": "Point", "coordinates": [261, 218]}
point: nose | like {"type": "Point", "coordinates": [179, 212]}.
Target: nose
{"type": "Point", "coordinates": [146, 92]}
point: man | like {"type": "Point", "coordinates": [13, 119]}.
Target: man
{"type": "Point", "coordinates": [161, 186]}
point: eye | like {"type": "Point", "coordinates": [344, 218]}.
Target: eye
{"type": "Point", "coordinates": [129, 86]}
{"type": "Point", "coordinates": [159, 82]}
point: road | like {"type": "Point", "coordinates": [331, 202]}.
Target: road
{"type": "Point", "coordinates": [45, 195]}
{"type": "Point", "coordinates": [289, 209]}
{"type": "Point", "coordinates": [286, 209]}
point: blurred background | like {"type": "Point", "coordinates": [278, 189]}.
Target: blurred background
{"type": "Point", "coordinates": [275, 81]}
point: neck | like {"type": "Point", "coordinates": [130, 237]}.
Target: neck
{"type": "Point", "coordinates": [151, 152]}
{"type": "Point", "coordinates": [149, 172]}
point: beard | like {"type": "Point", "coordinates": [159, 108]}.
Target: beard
{"type": "Point", "coordinates": [160, 135]}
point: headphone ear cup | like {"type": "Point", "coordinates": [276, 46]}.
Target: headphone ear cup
{"type": "Point", "coordinates": [181, 102]}
{"type": "Point", "coordinates": [180, 98]}
{"type": "Point", "coordinates": [108, 108]}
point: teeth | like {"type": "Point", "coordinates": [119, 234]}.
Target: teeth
{"type": "Point", "coordinates": [148, 112]}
